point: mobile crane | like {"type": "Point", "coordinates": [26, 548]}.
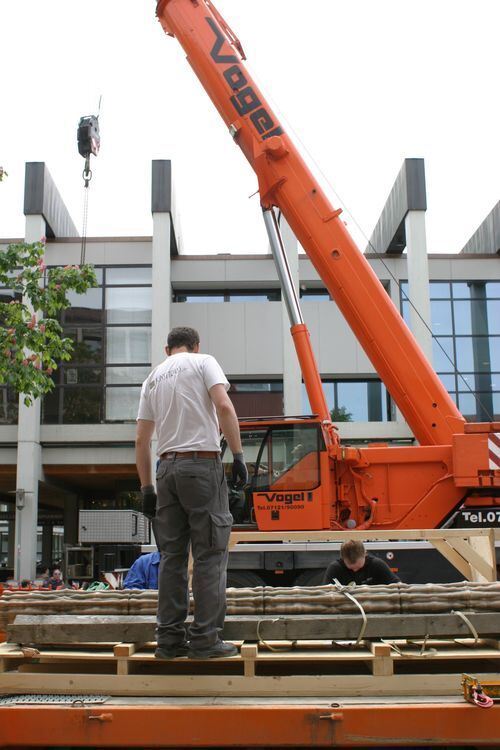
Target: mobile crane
{"type": "Point", "coordinates": [325, 486]}
{"type": "Point", "coordinates": [332, 485]}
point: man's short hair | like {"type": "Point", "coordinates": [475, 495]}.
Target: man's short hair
{"type": "Point", "coordinates": [183, 336]}
{"type": "Point", "coordinates": [352, 551]}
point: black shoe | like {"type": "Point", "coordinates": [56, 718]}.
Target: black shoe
{"type": "Point", "coordinates": [219, 650]}
{"type": "Point", "coordinates": [172, 652]}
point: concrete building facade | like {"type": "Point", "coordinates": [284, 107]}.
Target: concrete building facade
{"type": "Point", "coordinates": [74, 449]}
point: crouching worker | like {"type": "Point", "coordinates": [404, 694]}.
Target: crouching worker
{"type": "Point", "coordinates": [185, 399]}
{"type": "Point", "coordinates": [144, 572]}
{"type": "Point", "coordinates": [355, 565]}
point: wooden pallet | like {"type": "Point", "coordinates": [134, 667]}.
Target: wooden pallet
{"type": "Point", "coordinates": [312, 668]}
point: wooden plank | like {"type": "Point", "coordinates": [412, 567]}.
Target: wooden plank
{"type": "Point", "coordinates": [439, 650]}
{"type": "Point", "coordinates": [248, 653]}
{"type": "Point", "coordinates": [480, 552]}
{"type": "Point", "coordinates": [430, 535]}
{"type": "Point", "coordinates": [126, 649]}
{"type": "Point", "coordinates": [382, 664]}
{"type": "Point", "coordinates": [122, 666]}
{"type": "Point", "coordinates": [236, 685]}
{"type": "Point", "coordinates": [453, 557]}
{"type": "Point", "coordinates": [340, 536]}
{"type": "Point", "coordinates": [46, 629]}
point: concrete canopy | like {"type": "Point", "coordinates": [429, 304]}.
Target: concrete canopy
{"type": "Point", "coordinates": [407, 194]}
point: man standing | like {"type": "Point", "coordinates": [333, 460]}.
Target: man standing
{"type": "Point", "coordinates": [186, 399]}
{"type": "Point", "coordinates": [358, 567]}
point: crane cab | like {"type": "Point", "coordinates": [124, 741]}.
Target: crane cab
{"type": "Point", "coordinates": [289, 475]}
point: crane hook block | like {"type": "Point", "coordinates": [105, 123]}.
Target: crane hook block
{"type": "Point", "coordinates": [88, 136]}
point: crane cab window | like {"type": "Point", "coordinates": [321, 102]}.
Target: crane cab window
{"type": "Point", "coordinates": [279, 458]}
{"type": "Point", "coordinates": [285, 455]}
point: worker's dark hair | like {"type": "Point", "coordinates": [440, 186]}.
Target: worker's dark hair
{"type": "Point", "coordinates": [183, 336]}
{"type": "Point", "coordinates": [352, 550]}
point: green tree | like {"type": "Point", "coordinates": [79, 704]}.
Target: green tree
{"type": "Point", "coordinates": [340, 414]}
{"type": "Point", "coordinates": [31, 340]}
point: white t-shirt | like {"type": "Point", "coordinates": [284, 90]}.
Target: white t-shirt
{"type": "Point", "coordinates": [175, 397]}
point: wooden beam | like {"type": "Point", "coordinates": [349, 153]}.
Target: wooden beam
{"type": "Point", "coordinates": [367, 536]}
{"type": "Point", "coordinates": [62, 629]}
{"type": "Point", "coordinates": [235, 685]}
{"type": "Point", "coordinates": [454, 557]}
{"type": "Point", "coordinates": [472, 551]}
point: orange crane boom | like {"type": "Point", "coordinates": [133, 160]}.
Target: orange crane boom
{"type": "Point", "coordinates": [286, 181]}
{"type": "Point", "coordinates": [375, 486]}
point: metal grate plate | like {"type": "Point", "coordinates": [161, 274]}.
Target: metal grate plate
{"type": "Point", "coordinates": [13, 700]}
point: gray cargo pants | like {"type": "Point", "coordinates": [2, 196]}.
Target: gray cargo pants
{"type": "Point", "coordinates": [192, 507]}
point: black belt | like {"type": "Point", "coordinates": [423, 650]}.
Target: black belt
{"type": "Point", "coordinates": [190, 454]}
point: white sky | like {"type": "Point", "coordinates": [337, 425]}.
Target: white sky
{"type": "Point", "coordinates": [362, 84]}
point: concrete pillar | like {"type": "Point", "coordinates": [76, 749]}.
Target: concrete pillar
{"type": "Point", "coordinates": [418, 280]}
{"type": "Point", "coordinates": [29, 460]}
{"type": "Point", "coordinates": [162, 287]}
{"type": "Point", "coordinates": [161, 209]}
{"type": "Point", "coordinates": [292, 376]}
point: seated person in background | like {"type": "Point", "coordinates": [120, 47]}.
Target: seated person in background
{"type": "Point", "coordinates": [356, 566]}
{"type": "Point", "coordinates": [144, 572]}
{"type": "Point", "coordinates": [56, 580]}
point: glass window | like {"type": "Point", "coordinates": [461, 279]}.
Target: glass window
{"type": "Point", "coordinates": [73, 405]}
{"type": "Point", "coordinates": [467, 405]}
{"type": "Point", "coordinates": [272, 296]}
{"type": "Point", "coordinates": [125, 375]}
{"type": "Point", "coordinates": [128, 345]}
{"type": "Point", "coordinates": [440, 289]}
{"type": "Point", "coordinates": [129, 304]}
{"type": "Point", "coordinates": [256, 386]}
{"type": "Point", "coordinates": [129, 275]}
{"type": "Point", "coordinates": [461, 289]}
{"type": "Point", "coordinates": [85, 308]}
{"type": "Point", "coordinates": [122, 403]}
{"type": "Point", "coordinates": [405, 311]}
{"type": "Point", "coordinates": [190, 297]}
{"type": "Point", "coordinates": [79, 375]}
{"type": "Point", "coordinates": [353, 401]}
{"type": "Point", "coordinates": [290, 459]}
{"type": "Point", "coordinates": [466, 381]}
{"type": "Point", "coordinates": [448, 381]}
{"type": "Point", "coordinates": [257, 398]}
{"type": "Point", "coordinates": [465, 354]}
{"type": "Point", "coordinates": [7, 295]}
{"type": "Point", "coordinates": [462, 314]}
{"type": "Point", "coordinates": [314, 295]}
{"type": "Point", "coordinates": [82, 405]}
{"type": "Point", "coordinates": [441, 317]}
{"type": "Point", "coordinates": [442, 354]}
{"type": "Point", "coordinates": [492, 289]}
{"type": "Point", "coordinates": [87, 344]}
{"type": "Point", "coordinates": [496, 405]}
{"type": "Point", "coordinates": [493, 308]}
{"type": "Point", "coordinates": [495, 353]}
{"type": "Point", "coordinates": [9, 406]}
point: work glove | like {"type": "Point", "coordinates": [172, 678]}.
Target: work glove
{"type": "Point", "coordinates": [240, 471]}
{"type": "Point", "coordinates": [148, 501]}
